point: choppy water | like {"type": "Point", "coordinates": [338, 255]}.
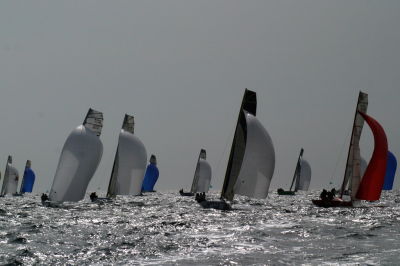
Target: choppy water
{"type": "Point", "coordinates": [165, 228]}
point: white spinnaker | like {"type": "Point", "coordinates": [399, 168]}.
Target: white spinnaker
{"type": "Point", "coordinates": [78, 162]}
{"type": "Point", "coordinates": [132, 160]}
{"type": "Point", "coordinates": [204, 176]}
{"type": "Point", "coordinates": [10, 182]}
{"type": "Point", "coordinates": [303, 181]}
{"type": "Point", "coordinates": [258, 163]}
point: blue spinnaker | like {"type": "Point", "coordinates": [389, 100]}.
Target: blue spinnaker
{"type": "Point", "coordinates": [150, 178]}
{"type": "Point", "coordinates": [27, 181]}
{"type": "Point", "coordinates": [390, 172]}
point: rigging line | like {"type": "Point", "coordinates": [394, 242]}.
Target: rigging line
{"type": "Point", "coordinates": [340, 156]}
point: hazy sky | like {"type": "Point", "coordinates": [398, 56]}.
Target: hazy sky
{"type": "Point", "coordinates": [180, 67]}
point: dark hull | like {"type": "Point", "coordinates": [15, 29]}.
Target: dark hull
{"type": "Point", "coordinates": [332, 203]}
{"type": "Point", "coordinates": [218, 205]}
{"type": "Point", "coordinates": [187, 194]}
{"type": "Point", "coordinates": [286, 193]}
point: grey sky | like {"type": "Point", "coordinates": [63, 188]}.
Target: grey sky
{"type": "Point", "coordinates": [180, 68]}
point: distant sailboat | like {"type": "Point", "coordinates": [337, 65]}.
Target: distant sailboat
{"type": "Point", "coordinates": [11, 176]}
{"type": "Point", "coordinates": [151, 175]}
{"type": "Point", "coordinates": [301, 178]}
{"type": "Point", "coordinates": [78, 161]}
{"type": "Point", "coordinates": [129, 163]}
{"type": "Point", "coordinates": [368, 187]}
{"type": "Point", "coordinates": [28, 180]}
{"type": "Point", "coordinates": [202, 176]}
{"type": "Point", "coordinates": [252, 158]}
{"type": "Point", "coordinates": [390, 171]}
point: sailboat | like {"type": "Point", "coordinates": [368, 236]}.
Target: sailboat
{"type": "Point", "coordinates": [10, 181]}
{"type": "Point", "coordinates": [129, 162]}
{"type": "Point", "coordinates": [78, 161]}
{"type": "Point", "coordinates": [390, 171]}
{"type": "Point", "coordinates": [28, 179]}
{"type": "Point", "coordinates": [151, 175]}
{"type": "Point", "coordinates": [368, 187]}
{"type": "Point", "coordinates": [301, 178]}
{"type": "Point", "coordinates": [252, 158]}
{"type": "Point", "coordinates": [202, 176]}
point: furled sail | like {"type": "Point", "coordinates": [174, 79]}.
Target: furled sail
{"type": "Point", "coordinates": [11, 177]}
{"type": "Point", "coordinates": [390, 171]}
{"type": "Point", "coordinates": [372, 182]}
{"type": "Point", "coordinates": [202, 175]}
{"type": "Point", "coordinates": [151, 175]}
{"type": "Point", "coordinates": [129, 163]}
{"type": "Point", "coordinates": [304, 179]}
{"type": "Point", "coordinates": [252, 159]}
{"type": "Point", "coordinates": [352, 174]}
{"type": "Point", "coordinates": [28, 180]}
{"type": "Point", "coordinates": [79, 159]}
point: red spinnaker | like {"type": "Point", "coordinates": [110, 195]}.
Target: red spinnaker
{"type": "Point", "coordinates": [372, 182]}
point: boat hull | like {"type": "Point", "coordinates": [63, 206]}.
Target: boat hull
{"type": "Point", "coordinates": [332, 203]}
{"type": "Point", "coordinates": [286, 193]}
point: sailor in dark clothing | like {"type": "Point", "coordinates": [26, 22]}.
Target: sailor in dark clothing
{"type": "Point", "coordinates": [324, 194]}
{"type": "Point", "coordinates": [333, 191]}
{"type": "Point", "coordinates": [330, 195]}
{"type": "Point", "coordinates": [44, 197]}
{"type": "Point", "coordinates": [93, 196]}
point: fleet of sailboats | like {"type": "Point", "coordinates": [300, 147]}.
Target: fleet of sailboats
{"type": "Point", "coordinates": [249, 171]}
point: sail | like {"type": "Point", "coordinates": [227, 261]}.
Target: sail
{"type": "Point", "coordinates": [372, 182]}
{"type": "Point", "coordinates": [129, 163]}
{"type": "Point", "coordinates": [28, 180]}
{"type": "Point", "coordinates": [249, 103]}
{"type": "Point", "coordinates": [390, 171]}
{"type": "Point", "coordinates": [304, 179]}
{"type": "Point", "coordinates": [363, 165]}
{"type": "Point", "coordinates": [202, 175]}
{"type": "Point", "coordinates": [296, 175]}
{"type": "Point", "coordinates": [151, 175]}
{"type": "Point", "coordinates": [79, 159]}
{"type": "Point", "coordinates": [352, 175]}
{"type": "Point", "coordinates": [252, 159]}
{"type": "Point", "coordinates": [11, 176]}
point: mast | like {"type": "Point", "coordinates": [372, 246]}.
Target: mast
{"type": "Point", "coordinates": [249, 104]}
{"type": "Point", "coordinates": [298, 168]}
{"type": "Point", "coordinates": [352, 171]}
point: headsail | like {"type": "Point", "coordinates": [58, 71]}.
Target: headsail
{"type": "Point", "coordinates": [372, 182]}
{"type": "Point", "coordinates": [79, 159]}
{"type": "Point", "coordinates": [129, 163]}
{"type": "Point", "coordinates": [252, 159]}
{"type": "Point", "coordinates": [202, 175]}
{"type": "Point", "coordinates": [11, 177]}
{"type": "Point", "coordinates": [304, 179]}
{"type": "Point", "coordinates": [352, 173]}
{"type": "Point", "coordinates": [390, 171]}
{"type": "Point", "coordinates": [151, 175]}
{"type": "Point", "coordinates": [28, 180]}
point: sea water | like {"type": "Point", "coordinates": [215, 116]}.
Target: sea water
{"type": "Point", "coordinates": [164, 228]}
